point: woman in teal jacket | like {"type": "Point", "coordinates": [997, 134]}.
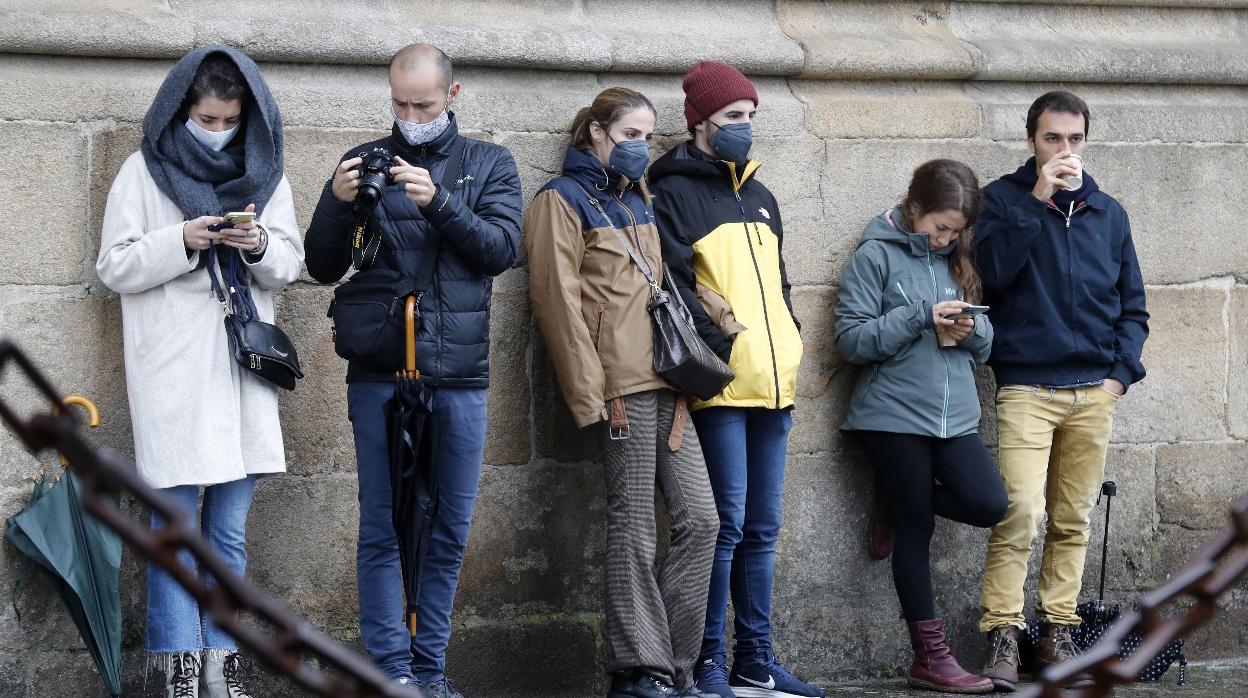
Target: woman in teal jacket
{"type": "Point", "coordinates": [915, 409]}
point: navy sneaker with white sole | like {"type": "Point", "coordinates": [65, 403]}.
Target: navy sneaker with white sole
{"type": "Point", "coordinates": [710, 675]}
{"type": "Point", "coordinates": [766, 677]}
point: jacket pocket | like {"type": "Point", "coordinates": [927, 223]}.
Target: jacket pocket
{"type": "Point", "coordinates": [602, 317]}
{"type": "Point", "coordinates": [720, 312]}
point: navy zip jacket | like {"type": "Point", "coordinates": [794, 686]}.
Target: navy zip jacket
{"type": "Point", "coordinates": [479, 226]}
{"type": "Point", "coordinates": [1064, 284]}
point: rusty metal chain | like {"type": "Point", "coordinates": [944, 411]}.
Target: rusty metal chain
{"type": "Point", "coordinates": [1220, 565]}
{"type": "Point", "coordinates": [105, 475]}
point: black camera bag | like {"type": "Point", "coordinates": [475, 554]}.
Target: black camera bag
{"type": "Point", "coordinates": [367, 309]}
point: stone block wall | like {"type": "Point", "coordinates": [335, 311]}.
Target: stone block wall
{"type": "Point", "coordinates": [854, 95]}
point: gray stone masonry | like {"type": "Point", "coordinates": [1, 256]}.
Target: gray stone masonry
{"type": "Point", "coordinates": [855, 95]}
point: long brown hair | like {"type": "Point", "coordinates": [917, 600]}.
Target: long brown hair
{"type": "Point", "coordinates": [609, 106]}
{"type": "Point", "coordinates": [944, 185]}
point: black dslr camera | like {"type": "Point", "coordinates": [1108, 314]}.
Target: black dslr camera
{"type": "Point", "coordinates": [374, 170]}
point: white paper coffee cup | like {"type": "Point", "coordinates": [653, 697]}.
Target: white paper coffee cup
{"type": "Point", "coordinates": [1075, 182]}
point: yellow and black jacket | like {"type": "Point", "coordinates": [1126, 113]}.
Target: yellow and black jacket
{"type": "Point", "coordinates": [722, 235]}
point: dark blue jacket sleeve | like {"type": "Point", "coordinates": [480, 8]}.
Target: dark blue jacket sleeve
{"type": "Point", "coordinates": [486, 237]}
{"type": "Point", "coordinates": [678, 255]}
{"type": "Point", "coordinates": [327, 246]}
{"type": "Point", "coordinates": [1004, 235]}
{"type": "Point", "coordinates": [1131, 328]}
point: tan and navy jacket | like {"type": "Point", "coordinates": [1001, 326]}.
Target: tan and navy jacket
{"type": "Point", "coordinates": [722, 235]}
{"type": "Point", "coordinates": [588, 297]}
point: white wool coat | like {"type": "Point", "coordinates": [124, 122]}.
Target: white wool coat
{"type": "Point", "coordinates": [198, 418]}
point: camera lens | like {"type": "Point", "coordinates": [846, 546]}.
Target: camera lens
{"type": "Point", "coordinates": [371, 186]}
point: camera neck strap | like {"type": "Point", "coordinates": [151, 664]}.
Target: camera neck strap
{"type": "Point", "coordinates": [364, 248]}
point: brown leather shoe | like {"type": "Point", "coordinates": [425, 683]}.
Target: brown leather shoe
{"type": "Point", "coordinates": [1001, 664]}
{"type": "Point", "coordinates": [934, 667]}
{"type": "Point", "coordinates": [881, 533]}
{"type": "Point", "coordinates": [1058, 646]}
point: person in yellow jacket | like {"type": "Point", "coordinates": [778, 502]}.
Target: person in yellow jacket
{"type": "Point", "coordinates": [590, 301]}
{"type": "Point", "coordinates": [721, 234]}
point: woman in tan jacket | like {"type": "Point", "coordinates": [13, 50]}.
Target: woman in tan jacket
{"type": "Point", "coordinates": [590, 299]}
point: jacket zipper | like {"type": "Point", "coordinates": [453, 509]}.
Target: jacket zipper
{"type": "Point", "coordinates": [944, 408]}
{"type": "Point", "coordinates": [771, 342]}
{"type": "Point", "coordinates": [433, 281]}
{"type": "Point", "coordinates": [636, 233]}
{"type": "Point", "coordinates": [1068, 216]}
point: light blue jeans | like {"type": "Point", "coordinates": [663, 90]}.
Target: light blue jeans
{"type": "Point", "coordinates": [175, 623]}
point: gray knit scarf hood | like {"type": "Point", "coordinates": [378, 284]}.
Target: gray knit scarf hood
{"type": "Point", "coordinates": [204, 182]}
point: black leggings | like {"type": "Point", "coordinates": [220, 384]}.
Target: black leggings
{"type": "Point", "coordinates": [969, 491]}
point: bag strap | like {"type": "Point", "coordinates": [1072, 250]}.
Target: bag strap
{"type": "Point", "coordinates": [238, 301]}
{"type": "Point", "coordinates": [364, 253]}
{"type": "Point", "coordinates": [633, 254]}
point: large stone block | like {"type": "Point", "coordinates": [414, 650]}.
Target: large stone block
{"type": "Point", "coordinates": [555, 434]}
{"type": "Point", "coordinates": [556, 655]}
{"type": "Point", "coordinates": [824, 381]}
{"type": "Point", "coordinates": [538, 542]}
{"type": "Point", "coordinates": [1197, 483]}
{"type": "Point", "coordinates": [315, 429]}
{"type": "Point", "coordinates": [109, 149]}
{"type": "Point", "coordinates": [43, 205]}
{"type": "Point", "coordinates": [862, 178]}
{"type": "Point", "coordinates": [1161, 186]}
{"type": "Point", "coordinates": [1183, 396]}
{"type": "Point", "coordinates": [791, 172]}
{"type": "Point", "coordinates": [1169, 45]}
{"type": "Point", "coordinates": [873, 40]}
{"type": "Point", "coordinates": [1132, 528]}
{"type": "Point", "coordinates": [309, 567]}
{"type": "Point", "coordinates": [36, 87]}
{"type": "Point", "coordinates": [892, 109]}
{"type": "Point", "coordinates": [1122, 113]}
{"type": "Point", "coordinates": [75, 340]}
{"type": "Point", "coordinates": [1237, 380]}
{"type": "Point", "coordinates": [507, 439]}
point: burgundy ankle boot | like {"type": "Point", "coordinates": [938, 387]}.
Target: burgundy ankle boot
{"type": "Point", "coordinates": [934, 667]}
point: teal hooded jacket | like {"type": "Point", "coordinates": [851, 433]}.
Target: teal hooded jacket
{"type": "Point", "coordinates": [909, 383]}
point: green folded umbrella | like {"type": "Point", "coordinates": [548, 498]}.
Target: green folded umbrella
{"type": "Point", "coordinates": [83, 559]}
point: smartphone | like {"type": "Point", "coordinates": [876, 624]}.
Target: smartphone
{"type": "Point", "coordinates": [968, 311]}
{"type": "Point", "coordinates": [236, 217]}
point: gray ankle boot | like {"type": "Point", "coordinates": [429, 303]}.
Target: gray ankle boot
{"type": "Point", "coordinates": [181, 674]}
{"type": "Point", "coordinates": [223, 674]}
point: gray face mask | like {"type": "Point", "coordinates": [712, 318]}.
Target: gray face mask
{"type": "Point", "coordinates": [212, 140]}
{"type": "Point", "coordinates": [420, 134]}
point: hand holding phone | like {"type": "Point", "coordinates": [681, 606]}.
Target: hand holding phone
{"type": "Point", "coordinates": [969, 311]}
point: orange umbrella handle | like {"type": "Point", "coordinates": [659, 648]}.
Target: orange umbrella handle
{"type": "Point", "coordinates": [409, 312]}
{"type": "Point", "coordinates": [93, 413]}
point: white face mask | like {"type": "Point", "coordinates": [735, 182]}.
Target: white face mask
{"type": "Point", "coordinates": [212, 140]}
{"type": "Point", "coordinates": [419, 134]}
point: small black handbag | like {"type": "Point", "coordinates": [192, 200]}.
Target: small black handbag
{"type": "Point", "coordinates": [681, 356]}
{"type": "Point", "coordinates": [257, 346]}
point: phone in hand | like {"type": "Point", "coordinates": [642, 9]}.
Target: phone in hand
{"type": "Point", "coordinates": [968, 312]}
{"type": "Point", "coordinates": [236, 217]}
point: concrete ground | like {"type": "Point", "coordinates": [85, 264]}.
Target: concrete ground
{"type": "Point", "coordinates": [1217, 679]}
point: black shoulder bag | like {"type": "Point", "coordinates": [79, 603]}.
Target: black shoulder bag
{"type": "Point", "coordinates": [367, 311]}
{"type": "Point", "coordinates": [257, 346]}
{"type": "Point", "coordinates": [681, 357]}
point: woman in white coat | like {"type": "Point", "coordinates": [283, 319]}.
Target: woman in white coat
{"type": "Point", "coordinates": [212, 143]}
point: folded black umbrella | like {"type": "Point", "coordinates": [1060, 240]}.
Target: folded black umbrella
{"type": "Point", "coordinates": [414, 490]}
{"type": "Point", "coordinates": [1097, 618]}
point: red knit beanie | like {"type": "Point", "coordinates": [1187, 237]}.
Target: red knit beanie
{"type": "Point", "coordinates": [710, 86]}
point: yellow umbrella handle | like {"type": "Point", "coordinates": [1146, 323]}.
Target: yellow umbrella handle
{"type": "Point", "coordinates": [409, 317]}
{"type": "Point", "coordinates": [93, 414]}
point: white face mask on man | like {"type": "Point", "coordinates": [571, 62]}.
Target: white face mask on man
{"type": "Point", "coordinates": [420, 134]}
{"type": "Point", "coordinates": [212, 140]}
